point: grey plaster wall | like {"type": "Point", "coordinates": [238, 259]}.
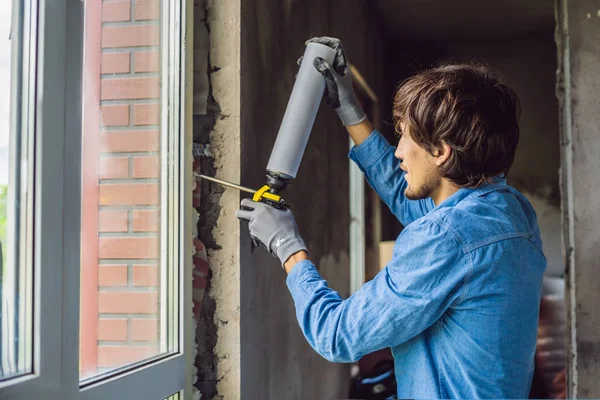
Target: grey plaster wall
{"type": "Point", "coordinates": [276, 361]}
{"type": "Point", "coordinates": [578, 91]}
{"type": "Point", "coordinates": [217, 129]}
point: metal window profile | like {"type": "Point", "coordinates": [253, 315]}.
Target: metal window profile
{"type": "Point", "coordinates": [160, 377]}
{"type": "Point", "coordinates": [40, 75]}
{"type": "Point", "coordinates": [16, 358]}
{"type": "Point", "coordinates": [57, 208]}
{"type": "Point", "coordinates": [357, 196]}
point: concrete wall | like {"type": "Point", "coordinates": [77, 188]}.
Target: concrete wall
{"type": "Point", "coordinates": [216, 133]}
{"type": "Point", "coordinates": [276, 361]}
{"type": "Point", "coordinates": [578, 88]}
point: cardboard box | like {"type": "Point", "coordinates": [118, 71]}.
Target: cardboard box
{"type": "Point", "coordinates": [385, 253]}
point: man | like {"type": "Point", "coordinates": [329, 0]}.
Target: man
{"type": "Point", "coordinates": [458, 304]}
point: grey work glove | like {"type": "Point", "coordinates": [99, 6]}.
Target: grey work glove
{"type": "Point", "coordinates": [338, 83]}
{"type": "Point", "coordinates": [274, 229]}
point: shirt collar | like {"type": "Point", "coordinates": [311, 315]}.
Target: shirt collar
{"type": "Point", "coordinates": [497, 183]}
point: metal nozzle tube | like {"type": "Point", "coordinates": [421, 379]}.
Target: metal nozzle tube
{"type": "Point", "coordinates": [225, 183]}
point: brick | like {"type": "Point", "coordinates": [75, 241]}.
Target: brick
{"type": "Point", "coordinates": [128, 248]}
{"type": "Point", "coordinates": [112, 329]}
{"type": "Point", "coordinates": [130, 36]}
{"type": "Point", "coordinates": [113, 168]}
{"type": "Point", "coordinates": [198, 245]}
{"type": "Point", "coordinates": [112, 275]}
{"type": "Point", "coordinates": [200, 282]}
{"type": "Point", "coordinates": [145, 330]}
{"type": "Point", "coordinates": [146, 167]}
{"type": "Point", "coordinates": [145, 275]}
{"type": "Point", "coordinates": [114, 115]}
{"type": "Point", "coordinates": [131, 141]}
{"type": "Point", "coordinates": [146, 114]}
{"type": "Point", "coordinates": [127, 302]}
{"type": "Point", "coordinates": [112, 221]}
{"type": "Point", "coordinates": [129, 88]}
{"type": "Point", "coordinates": [119, 356]}
{"type": "Point", "coordinates": [115, 63]}
{"type": "Point", "coordinates": [145, 220]}
{"type": "Point", "coordinates": [201, 265]}
{"type": "Point", "coordinates": [147, 61]}
{"type": "Point", "coordinates": [128, 194]}
{"type": "Point", "coordinates": [147, 10]}
{"type": "Point", "coordinates": [116, 11]}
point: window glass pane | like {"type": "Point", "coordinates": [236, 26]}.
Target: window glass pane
{"type": "Point", "coordinates": [174, 397]}
{"type": "Point", "coordinates": [15, 197]}
{"type": "Point", "coordinates": [124, 313]}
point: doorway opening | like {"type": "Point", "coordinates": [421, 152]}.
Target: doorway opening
{"type": "Point", "coordinates": [516, 39]}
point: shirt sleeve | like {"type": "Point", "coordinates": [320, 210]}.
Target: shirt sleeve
{"type": "Point", "coordinates": [375, 157]}
{"type": "Point", "coordinates": [427, 275]}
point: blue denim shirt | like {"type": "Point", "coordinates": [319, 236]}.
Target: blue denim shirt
{"type": "Point", "coordinates": [458, 303]}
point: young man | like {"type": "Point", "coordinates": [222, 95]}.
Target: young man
{"type": "Point", "coordinates": [458, 304]}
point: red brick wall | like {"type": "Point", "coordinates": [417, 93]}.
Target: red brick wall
{"type": "Point", "coordinates": [122, 171]}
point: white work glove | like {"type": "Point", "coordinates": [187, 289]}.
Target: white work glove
{"type": "Point", "coordinates": [339, 91]}
{"type": "Point", "coordinates": [272, 228]}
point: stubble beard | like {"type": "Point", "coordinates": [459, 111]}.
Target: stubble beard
{"type": "Point", "coordinates": [424, 191]}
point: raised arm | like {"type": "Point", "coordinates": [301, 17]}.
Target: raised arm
{"type": "Point", "coordinates": [375, 157]}
{"type": "Point", "coordinates": [372, 153]}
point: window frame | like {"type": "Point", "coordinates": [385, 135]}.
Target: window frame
{"type": "Point", "coordinates": [21, 207]}
{"type": "Point", "coordinates": [360, 206]}
{"type": "Point", "coordinates": [57, 210]}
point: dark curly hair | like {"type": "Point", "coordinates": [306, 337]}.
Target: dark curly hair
{"type": "Point", "coordinates": [468, 108]}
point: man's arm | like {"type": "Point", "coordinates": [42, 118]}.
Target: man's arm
{"type": "Point", "coordinates": [375, 157]}
{"type": "Point", "coordinates": [360, 132]}
{"type": "Point", "coordinates": [427, 274]}
{"type": "Point", "coordinates": [339, 92]}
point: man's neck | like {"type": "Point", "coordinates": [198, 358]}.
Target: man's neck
{"type": "Point", "coordinates": [445, 190]}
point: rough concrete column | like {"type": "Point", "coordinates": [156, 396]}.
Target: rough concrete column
{"type": "Point", "coordinates": [578, 91]}
{"type": "Point", "coordinates": [217, 130]}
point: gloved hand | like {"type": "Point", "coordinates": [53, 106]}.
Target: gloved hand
{"type": "Point", "coordinates": [338, 79]}
{"type": "Point", "coordinates": [275, 229]}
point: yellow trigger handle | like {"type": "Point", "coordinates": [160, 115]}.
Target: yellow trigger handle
{"type": "Point", "coordinates": [263, 193]}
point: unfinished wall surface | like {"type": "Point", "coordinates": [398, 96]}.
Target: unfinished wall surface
{"type": "Point", "coordinates": [578, 90]}
{"type": "Point", "coordinates": [216, 136]}
{"type": "Point", "coordinates": [276, 361]}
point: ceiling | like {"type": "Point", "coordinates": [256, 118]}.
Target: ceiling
{"type": "Point", "coordinates": [437, 19]}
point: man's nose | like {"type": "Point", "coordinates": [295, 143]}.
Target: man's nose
{"type": "Point", "coordinates": [398, 153]}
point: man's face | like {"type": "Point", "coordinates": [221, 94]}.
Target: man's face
{"type": "Point", "coordinates": [422, 173]}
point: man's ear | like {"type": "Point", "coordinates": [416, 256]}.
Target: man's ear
{"type": "Point", "coordinates": [443, 155]}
